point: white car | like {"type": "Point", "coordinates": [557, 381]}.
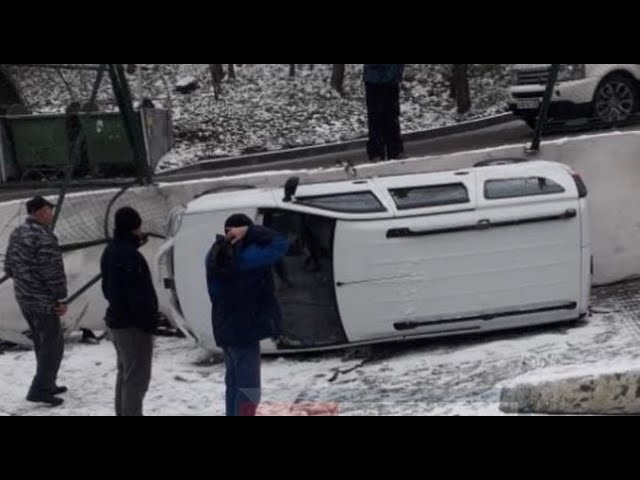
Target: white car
{"type": "Point", "coordinates": [605, 92]}
{"type": "Point", "coordinates": [401, 257]}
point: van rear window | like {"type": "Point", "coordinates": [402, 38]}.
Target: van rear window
{"type": "Point", "coordinates": [430, 196]}
{"type": "Point", "coordinates": [520, 187]}
{"type": "Point", "coordinates": [361, 202]}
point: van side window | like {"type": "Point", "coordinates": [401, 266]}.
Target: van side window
{"type": "Point", "coordinates": [360, 202]}
{"type": "Point", "coordinates": [431, 196]}
{"type": "Point", "coordinates": [520, 187]}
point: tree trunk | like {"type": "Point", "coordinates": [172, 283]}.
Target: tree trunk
{"type": "Point", "coordinates": [337, 77]}
{"type": "Point", "coordinates": [165, 82]}
{"type": "Point", "coordinates": [9, 92]}
{"type": "Point", "coordinates": [460, 86]}
{"type": "Point", "coordinates": [217, 74]}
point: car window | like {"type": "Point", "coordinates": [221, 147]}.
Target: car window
{"type": "Point", "coordinates": [359, 202]}
{"type": "Point", "coordinates": [520, 187]}
{"type": "Point", "coordinates": [430, 196]}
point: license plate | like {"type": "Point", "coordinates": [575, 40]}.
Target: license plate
{"type": "Point", "coordinates": [528, 104]}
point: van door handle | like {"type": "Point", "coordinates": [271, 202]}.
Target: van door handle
{"type": "Point", "coordinates": [409, 233]}
{"type": "Point", "coordinates": [484, 224]}
{"type": "Point", "coordinates": [566, 215]}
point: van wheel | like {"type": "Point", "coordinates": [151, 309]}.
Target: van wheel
{"type": "Point", "coordinates": [615, 100]}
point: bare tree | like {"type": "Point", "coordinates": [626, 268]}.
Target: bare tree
{"type": "Point", "coordinates": [292, 70]}
{"type": "Point", "coordinates": [232, 71]}
{"type": "Point", "coordinates": [460, 86]}
{"type": "Point", "coordinates": [67, 85]}
{"type": "Point", "coordinates": [337, 77]}
{"type": "Point", "coordinates": [217, 74]}
{"type": "Point", "coordinates": [165, 82]}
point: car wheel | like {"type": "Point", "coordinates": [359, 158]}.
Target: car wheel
{"type": "Point", "coordinates": [615, 100]}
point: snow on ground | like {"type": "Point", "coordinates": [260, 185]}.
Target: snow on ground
{"type": "Point", "coordinates": [265, 110]}
{"type": "Point", "coordinates": [460, 376]}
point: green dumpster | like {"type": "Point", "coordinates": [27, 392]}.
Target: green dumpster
{"type": "Point", "coordinates": [110, 153]}
{"type": "Point", "coordinates": [40, 145]}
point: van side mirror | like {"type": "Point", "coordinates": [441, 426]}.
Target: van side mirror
{"type": "Point", "coordinates": [290, 189]}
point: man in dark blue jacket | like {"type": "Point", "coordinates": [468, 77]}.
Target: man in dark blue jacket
{"type": "Point", "coordinates": [382, 86]}
{"type": "Point", "coordinates": [244, 306]}
{"type": "Point", "coordinates": [132, 313]}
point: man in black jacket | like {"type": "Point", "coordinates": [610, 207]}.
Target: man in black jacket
{"type": "Point", "coordinates": [382, 86]}
{"type": "Point", "coordinates": [133, 310]}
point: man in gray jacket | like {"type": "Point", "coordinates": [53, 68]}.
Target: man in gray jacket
{"type": "Point", "coordinates": [34, 262]}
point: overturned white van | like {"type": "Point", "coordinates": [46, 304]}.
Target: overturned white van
{"type": "Point", "coordinates": [401, 257]}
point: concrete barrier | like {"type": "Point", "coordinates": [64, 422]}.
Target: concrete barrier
{"type": "Point", "coordinates": [612, 391]}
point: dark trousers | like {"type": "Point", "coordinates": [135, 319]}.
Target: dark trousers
{"type": "Point", "coordinates": [242, 380]}
{"type": "Point", "coordinates": [383, 111]}
{"type": "Point", "coordinates": [135, 352]}
{"type": "Point", "coordinates": [48, 343]}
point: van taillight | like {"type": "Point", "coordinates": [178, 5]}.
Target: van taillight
{"type": "Point", "coordinates": [582, 188]}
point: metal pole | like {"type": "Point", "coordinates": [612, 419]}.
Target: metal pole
{"type": "Point", "coordinates": [139, 83]}
{"type": "Point", "coordinates": [76, 150]}
{"type": "Point", "coordinates": [544, 108]}
{"type": "Point", "coordinates": [3, 171]}
{"type": "Point", "coordinates": [132, 128]}
{"type": "Point", "coordinates": [96, 86]}
{"type": "Point", "coordinates": [82, 290]}
{"type": "Point", "coordinates": [145, 134]}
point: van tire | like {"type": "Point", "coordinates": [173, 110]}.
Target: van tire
{"type": "Point", "coordinates": [615, 100]}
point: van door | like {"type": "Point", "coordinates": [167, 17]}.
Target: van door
{"type": "Point", "coordinates": [529, 249]}
{"type": "Point", "coordinates": [304, 280]}
{"type": "Point", "coordinates": [411, 274]}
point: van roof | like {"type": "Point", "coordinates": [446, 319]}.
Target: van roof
{"type": "Point", "coordinates": [243, 195]}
